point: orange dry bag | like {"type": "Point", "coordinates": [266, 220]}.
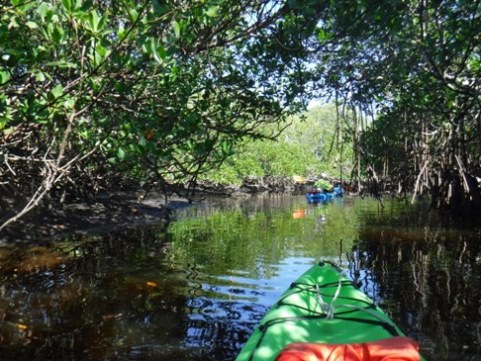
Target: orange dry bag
{"type": "Point", "coordinates": [397, 348]}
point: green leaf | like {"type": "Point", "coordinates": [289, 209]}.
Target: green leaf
{"type": "Point", "coordinates": [57, 34]}
{"type": "Point", "coordinates": [121, 154]}
{"type": "Point", "coordinates": [69, 103]}
{"type": "Point", "coordinates": [57, 91]}
{"type": "Point", "coordinates": [23, 5]}
{"type": "Point", "coordinates": [212, 11]}
{"type": "Point", "coordinates": [84, 134]}
{"type": "Point", "coordinates": [13, 23]}
{"type": "Point", "coordinates": [62, 64]}
{"type": "Point", "coordinates": [157, 50]}
{"type": "Point", "coordinates": [31, 25]}
{"type": "Point", "coordinates": [67, 4]}
{"type": "Point", "coordinates": [78, 4]}
{"type": "Point", "coordinates": [177, 28]}
{"type": "Point", "coordinates": [3, 122]}
{"type": "Point", "coordinates": [102, 22]}
{"type": "Point", "coordinates": [39, 76]}
{"type": "Point", "coordinates": [101, 51]}
{"type": "Point", "coordinates": [134, 15]}
{"type": "Point", "coordinates": [322, 35]}
{"type": "Point", "coordinates": [474, 64]}
{"type": "Point", "coordinates": [43, 9]}
{"type": "Point", "coordinates": [159, 9]}
{"type": "Point", "coordinates": [95, 83]}
{"type": "Point", "coordinates": [4, 77]}
{"type": "Point", "coordinates": [96, 22]}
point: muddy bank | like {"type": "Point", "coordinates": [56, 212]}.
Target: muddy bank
{"type": "Point", "coordinates": [134, 205]}
{"type": "Point", "coordinates": [106, 213]}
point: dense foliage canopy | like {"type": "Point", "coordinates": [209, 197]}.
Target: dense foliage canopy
{"type": "Point", "coordinates": [418, 62]}
{"type": "Point", "coordinates": [313, 145]}
{"type": "Point", "coordinates": [151, 89]}
{"type": "Point", "coordinates": [164, 90]}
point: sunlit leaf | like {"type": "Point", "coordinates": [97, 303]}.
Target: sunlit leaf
{"type": "Point", "coordinates": [121, 154]}
{"type": "Point", "coordinates": [39, 76]}
{"type": "Point", "coordinates": [134, 15]}
{"type": "Point", "coordinates": [61, 64]}
{"type": "Point", "coordinates": [67, 4]}
{"type": "Point", "coordinates": [212, 11]}
{"type": "Point", "coordinates": [322, 35]}
{"type": "Point", "coordinates": [57, 91]}
{"type": "Point", "coordinates": [31, 25]}
{"type": "Point", "coordinates": [177, 28]}
{"type": "Point", "coordinates": [78, 4]}
{"type": "Point", "coordinates": [4, 77]}
{"type": "Point", "coordinates": [43, 9]}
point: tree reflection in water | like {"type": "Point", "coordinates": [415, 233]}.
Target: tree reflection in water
{"type": "Point", "coordinates": [197, 290]}
{"type": "Point", "coordinates": [430, 284]}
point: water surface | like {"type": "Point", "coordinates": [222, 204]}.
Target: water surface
{"type": "Point", "coordinates": [196, 291]}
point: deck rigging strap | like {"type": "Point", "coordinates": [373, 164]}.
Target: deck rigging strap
{"type": "Point", "coordinates": [314, 288]}
{"type": "Point", "coordinates": [378, 322]}
{"type": "Point", "coordinates": [328, 309]}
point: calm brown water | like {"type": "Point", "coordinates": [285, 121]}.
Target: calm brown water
{"type": "Point", "coordinates": [197, 291]}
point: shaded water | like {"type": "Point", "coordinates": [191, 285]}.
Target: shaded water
{"type": "Point", "coordinates": [197, 291]}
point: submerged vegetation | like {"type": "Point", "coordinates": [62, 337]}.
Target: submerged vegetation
{"type": "Point", "coordinates": [197, 290]}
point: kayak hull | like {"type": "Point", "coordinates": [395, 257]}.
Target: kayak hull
{"type": "Point", "coordinates": [321, 306]}
{"type": "Point", "coordinates": [320, 197]}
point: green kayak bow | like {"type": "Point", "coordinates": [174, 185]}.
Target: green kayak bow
{"type": "Point", "coordinates": [321, 306]}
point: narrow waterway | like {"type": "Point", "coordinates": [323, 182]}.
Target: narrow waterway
{"type": "Point", "coordinates": [197, 290]}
